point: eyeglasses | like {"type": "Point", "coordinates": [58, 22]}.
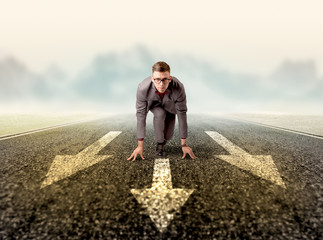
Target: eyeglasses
{"type": "Point", "coordinates": [164, 80]}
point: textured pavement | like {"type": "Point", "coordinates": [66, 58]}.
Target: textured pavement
{"type": "Point", "coordinates": [97, 203]}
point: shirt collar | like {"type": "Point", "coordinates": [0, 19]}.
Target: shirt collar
{"type": "Point", "coordinates": [158, 91]}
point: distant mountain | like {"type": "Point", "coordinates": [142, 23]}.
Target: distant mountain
{"type": "Point", "coordinates": [113, 76]}
{"type": "Point", "coordinates": [110, 81]}
{"type": "Point", "coordinates": [51, 84]}
{"type": "Point", "coordinates": [294, 79]}
{"type": "Point", "coordinates": [15, 79]}
{"type": "Point", "coordinates": [18, 83]}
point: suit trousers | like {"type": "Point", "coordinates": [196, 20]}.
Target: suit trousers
{"type": "Point", "coordinates": [164, 124]}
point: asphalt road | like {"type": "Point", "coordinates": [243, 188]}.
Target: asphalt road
{"type": "Point", "coordinates": [97, 202]}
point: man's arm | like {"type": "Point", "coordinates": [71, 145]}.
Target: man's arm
{"type": "Point", "coordinates": [181, 109]}
{"type": "Point", "coordinates": [141, 113]}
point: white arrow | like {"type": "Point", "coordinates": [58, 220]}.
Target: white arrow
{"type": "Point", "coordinates": [260, 165]}
{"type": "Point", "coordinates": [66, 165]}
{"type": "Point", "coordinates": [162, 201]}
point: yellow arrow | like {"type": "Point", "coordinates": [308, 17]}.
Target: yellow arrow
{"type": "Point", "coordinates": [260, 165]}
{"type": "Point", "coordinates": [162, 201]}
{"type": "Point", "coordinates": [66, 165]}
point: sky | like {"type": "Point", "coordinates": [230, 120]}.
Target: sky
{"type": "Point", "coordinates": [250, 36]}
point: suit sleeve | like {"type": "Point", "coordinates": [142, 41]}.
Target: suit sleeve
{"type": "Point", "coordinates": [181, 109]}
{"type": "Point", "coordinates": [141, 113]}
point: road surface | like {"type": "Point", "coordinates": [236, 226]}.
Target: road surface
{"type": "Point", "coordinates": [74, 182]}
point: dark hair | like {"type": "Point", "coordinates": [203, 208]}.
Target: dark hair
{"type": "Point", "coordinates": [161, 67]}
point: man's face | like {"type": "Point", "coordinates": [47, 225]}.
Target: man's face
{"type": "Point", "coordinates": [163, 85]}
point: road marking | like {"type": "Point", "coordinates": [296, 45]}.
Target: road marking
{"type": "Point", "coordinates": [5, 137]}
{"type": "Point", "coordinates": [282, 129]}
{"type": "Point", "coordinates": [162, 201]}
{"type": "Point", "coordinates": [66, 165]}
{"type": "Point", "coordinates": [260, 165]}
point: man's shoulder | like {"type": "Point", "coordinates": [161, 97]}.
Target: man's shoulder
{"type": "Point", "coordinates": [177, 85]}
{"type": "Point", "coordinates": [145, 84]}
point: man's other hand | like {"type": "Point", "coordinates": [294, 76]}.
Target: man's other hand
{"type": "Point", "coordinates": [188, 150]}
{"type": "Point", "coordinates": [138, 150]}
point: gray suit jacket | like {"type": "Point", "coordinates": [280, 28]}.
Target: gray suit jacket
{"type": "Point", "coordinates": [174, 102]}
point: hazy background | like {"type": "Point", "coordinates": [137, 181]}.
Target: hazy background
{"type": "Point", "coordinates": [232, 56]}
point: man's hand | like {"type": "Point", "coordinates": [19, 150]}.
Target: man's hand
{"type": "Point", "coordinates": [187, 149]}
{"type": "Point", "coordinates": [139, 150]}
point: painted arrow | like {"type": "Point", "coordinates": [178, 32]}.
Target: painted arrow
{"type": "Point", "coordinates": [162, 201]}
{"type": "Point", "coordinates": [260, 165]}
{"type": "Point", "coordinates": [66, 165]}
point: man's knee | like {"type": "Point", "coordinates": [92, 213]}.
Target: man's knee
{"type": "Point", "coordinates": [170, 126]}
{"type": "Point", "coordinates": [159, 113]}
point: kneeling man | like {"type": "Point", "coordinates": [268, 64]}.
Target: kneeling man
{"type": "Point", "coordinates": [165, 97]}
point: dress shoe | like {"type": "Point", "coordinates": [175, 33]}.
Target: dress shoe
{"type": "Point", "coordinates": [160, 149]}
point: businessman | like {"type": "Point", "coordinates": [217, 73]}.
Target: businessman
{"type": "Point", "coordinates": [165, 97]}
